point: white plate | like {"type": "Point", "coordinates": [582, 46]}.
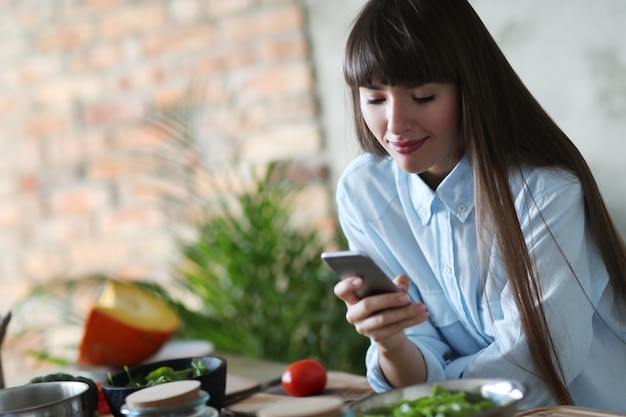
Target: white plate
{"type": "Point", "coordinates": [175, 349]}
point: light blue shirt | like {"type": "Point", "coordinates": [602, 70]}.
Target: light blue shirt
{"type": "Point", "coordinates": [473, 332]}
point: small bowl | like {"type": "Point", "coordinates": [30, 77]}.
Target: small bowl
{"type": "Point", "coordinates": [504, 392]}
{"type": "Point", "coordinates": [59, 398]}
{"type": "Point", "coordinates": [213, 382]}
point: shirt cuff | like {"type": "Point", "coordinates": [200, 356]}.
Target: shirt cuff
{"type": "Point", "coordinates": [375, 376]}
{"type": "Point", "coordinates": [377, 379]}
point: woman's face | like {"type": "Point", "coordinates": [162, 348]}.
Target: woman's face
{"type": "Point", "coordinates": [418, 126]}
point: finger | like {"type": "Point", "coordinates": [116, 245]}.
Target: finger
{"type": "Point", "coordinates": [391, 320]}
{"type": "Point", "coordinates": [375, 306]}
{"type": "Point", "coordinates": [382, 334]}
{"type": "Point", "coordinates": [346, 289]}
{"type": "Point", "coordinates": [377, 303]}
{"type": "Point", "coordinates": [402, 281]}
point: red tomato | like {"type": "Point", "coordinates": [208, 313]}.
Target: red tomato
{"type": "Point", "coordinates": [304, 377]}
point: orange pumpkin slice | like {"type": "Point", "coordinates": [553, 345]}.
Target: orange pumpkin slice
{"type": "Point", "coordinates": [126, 326]}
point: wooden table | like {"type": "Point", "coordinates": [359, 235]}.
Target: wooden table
{"type": "Point", "coordinates": [252, 384]}
{"type": "Point", "coordinates": [262, 371]}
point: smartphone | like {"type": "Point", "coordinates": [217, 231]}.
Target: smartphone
{"type": "Point", "coordinates": [356, 264]}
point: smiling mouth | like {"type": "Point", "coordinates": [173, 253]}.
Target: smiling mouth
{"type": "Point", "coordinates": [408, 146]}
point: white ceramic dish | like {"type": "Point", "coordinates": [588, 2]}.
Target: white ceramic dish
{"type": "Point", "coordinates": [506, 393]}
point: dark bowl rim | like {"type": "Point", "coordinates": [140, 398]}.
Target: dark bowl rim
{"type": "Point", "coordinates": [158, 364]}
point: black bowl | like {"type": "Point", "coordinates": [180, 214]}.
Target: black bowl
{"type": "Point", "coordinates": [213, 382]}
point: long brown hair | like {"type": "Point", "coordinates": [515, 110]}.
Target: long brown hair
{"type": "Point", "coordinates": [412, 42]}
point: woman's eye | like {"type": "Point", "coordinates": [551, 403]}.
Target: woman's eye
{"type": "Point", "coordinates": [375, 100]}
{"type": "Point", "coordinates": [423, 100]}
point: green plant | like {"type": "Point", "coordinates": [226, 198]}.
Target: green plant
{"type": "Point", "coordinates": [263, 284]}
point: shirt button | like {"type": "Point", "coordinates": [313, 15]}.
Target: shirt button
{"type": "Point", "coordinates": [461, 208]}
{"type": "Point", "coordinates": [422, 212]}
{"type": "Point", "coordinates": [447, 270]}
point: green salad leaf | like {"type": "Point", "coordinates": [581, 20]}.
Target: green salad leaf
{"type": "Point", "coordinates": [166, 374]}
{"type": "Point", "coordinates": [442, 403]}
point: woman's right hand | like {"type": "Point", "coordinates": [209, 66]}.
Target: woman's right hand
{"type": "Point", "coordinates": [383, 317]}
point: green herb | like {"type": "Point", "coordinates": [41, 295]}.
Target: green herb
{"type": "Point", "coordinates": [442, 403]}
{"type": "Point", "coordinates": [165, 374]}
{"type": "Point", "coordinates": [199, 367]}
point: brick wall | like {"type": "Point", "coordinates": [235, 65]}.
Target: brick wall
{"type": "Point", "coordinates": [77, 78]}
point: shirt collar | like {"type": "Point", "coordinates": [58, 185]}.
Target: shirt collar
{"type": "Point", "coordinates": [456, 193]}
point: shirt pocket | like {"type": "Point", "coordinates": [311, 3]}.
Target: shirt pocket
{"type": "Point", "coordinates": [441, 312]}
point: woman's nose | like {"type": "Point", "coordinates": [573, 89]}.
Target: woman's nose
{"type": "Point", "coordinates": [398, 118]}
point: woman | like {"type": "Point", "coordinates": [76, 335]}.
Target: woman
{"type": "Point", "coordinates": [483, 210]}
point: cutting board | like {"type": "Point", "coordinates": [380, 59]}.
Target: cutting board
{"type": "Point", "coordinates": [237, 385]}
{"type": "Point", "coordinates": [349, 387]}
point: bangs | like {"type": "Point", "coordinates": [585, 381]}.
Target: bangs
{"type": "Point", "coordinates": [387, 46]}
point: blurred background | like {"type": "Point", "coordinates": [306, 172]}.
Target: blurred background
{"type": "Point", "coordinates": [86, 163]}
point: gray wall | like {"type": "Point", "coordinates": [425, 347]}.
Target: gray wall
{"type": "Point", "coordinates": [571, 55]}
